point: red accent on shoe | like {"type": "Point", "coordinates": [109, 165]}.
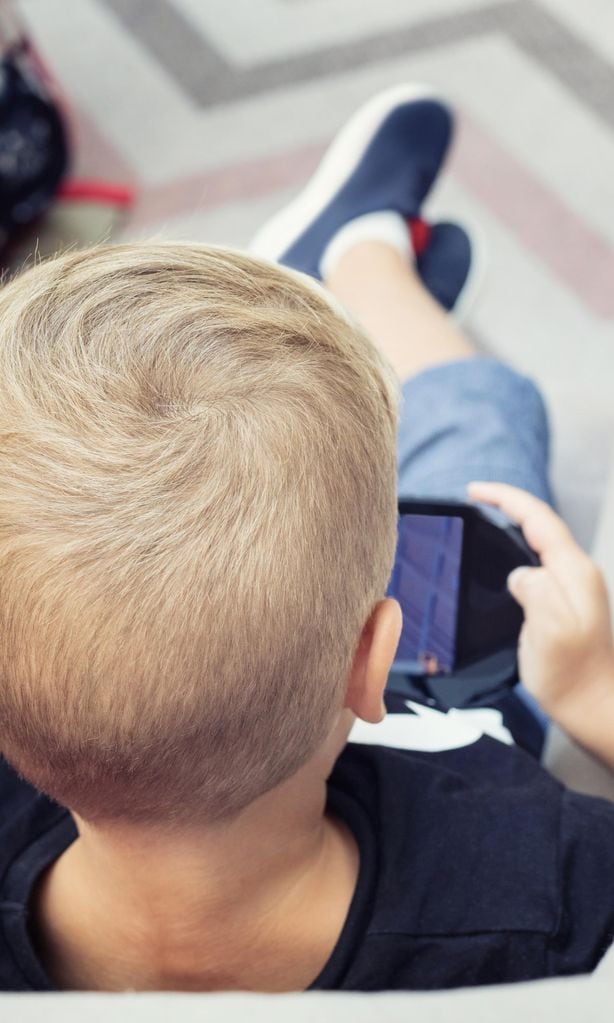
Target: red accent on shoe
{"type": "Point", "coordinates": [420, 233]}
{"type": "Point", "coordinates": [103, 192]}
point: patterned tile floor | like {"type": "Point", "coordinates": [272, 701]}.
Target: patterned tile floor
{"type": "Point", "coordinates": [217, 110]}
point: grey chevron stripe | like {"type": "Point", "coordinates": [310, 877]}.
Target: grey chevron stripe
{"type": "Point", "coordinates": [209, 80]}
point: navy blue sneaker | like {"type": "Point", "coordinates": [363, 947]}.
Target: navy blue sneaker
{"type": "Point", "coordinates": [445, 263]}
{"type": "Point", "coordinates": [385, 158]}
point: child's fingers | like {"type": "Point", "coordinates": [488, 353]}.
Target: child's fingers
{"type": "Point", "coordinates": [545, 605]}
{"type": "Point", "coordinates": [548, 535]}
{"type": "Point", "coordinates": [542, 527]}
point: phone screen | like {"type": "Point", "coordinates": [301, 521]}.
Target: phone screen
{"type": "Point", "coordinates": [450, 578]}
{"type": "Point", "coordinates": [426, 582]}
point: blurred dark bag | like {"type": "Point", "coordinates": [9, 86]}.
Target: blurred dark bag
{"type": "Point", "coordinates": [33, 143]}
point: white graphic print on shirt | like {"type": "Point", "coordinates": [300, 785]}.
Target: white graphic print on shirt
{"type": "Point", "coordinates": [431, 730]}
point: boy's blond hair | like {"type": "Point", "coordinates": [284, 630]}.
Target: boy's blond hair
{"type": "Point", "coordinates": [197, 515]}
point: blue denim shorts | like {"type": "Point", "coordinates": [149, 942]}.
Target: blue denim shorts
{"type": "Point", "coordinates": [475, 419]}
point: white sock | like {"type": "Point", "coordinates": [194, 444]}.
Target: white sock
{"type": "Point", "coordinates": [383, 226]}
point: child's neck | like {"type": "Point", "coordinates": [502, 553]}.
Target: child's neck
{"type": "Point", "coordinates": [257, 904]}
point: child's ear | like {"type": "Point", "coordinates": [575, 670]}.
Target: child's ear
{"type": "Point", "coordinates": [373, 660]}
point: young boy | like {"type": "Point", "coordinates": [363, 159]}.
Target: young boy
{"type": "Point", "coordinates": [197, 526]}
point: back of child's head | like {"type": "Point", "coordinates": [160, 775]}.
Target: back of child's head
{"type": "Point", "coordinates": [197, 515]}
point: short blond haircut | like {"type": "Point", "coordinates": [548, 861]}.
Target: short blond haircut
{"type": "Point", "coordinates": [197, 516]}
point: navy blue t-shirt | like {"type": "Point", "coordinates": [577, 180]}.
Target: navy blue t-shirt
{"type": "Point", "coordinates": [476, 866]}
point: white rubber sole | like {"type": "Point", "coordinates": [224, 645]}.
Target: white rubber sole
{"type": "Point", "coordinates": [336, 166]}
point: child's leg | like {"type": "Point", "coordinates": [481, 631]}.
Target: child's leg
{"type": "Point", "coordinates": [463, 417]}
{"type": "Point", "coordinates": [384, 294]}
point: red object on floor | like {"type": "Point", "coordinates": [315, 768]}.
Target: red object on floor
{"type": "Point", "coordinates": [96, 191]}
{"type": "Point", "coordinates": [16, 45]}
{"type": "Point", "coordinates": [420, 233]}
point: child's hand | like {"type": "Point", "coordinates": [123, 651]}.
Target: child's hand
{"type": "Point", "coordinates": [565, 654]}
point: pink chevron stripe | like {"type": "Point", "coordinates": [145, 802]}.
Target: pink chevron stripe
{"type": "Point", "coordinates": [205, 191]}
{"type": "Point", "coordinates": [581, 258]}
{"type": "Point", "coordinates": [578, 256]}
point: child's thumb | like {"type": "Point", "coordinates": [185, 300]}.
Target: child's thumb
{"type": "Point", "coordinates": [523, 583]}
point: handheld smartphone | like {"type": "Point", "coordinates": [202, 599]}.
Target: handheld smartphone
{"type": "Point", "coordinates": [460, 623]}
